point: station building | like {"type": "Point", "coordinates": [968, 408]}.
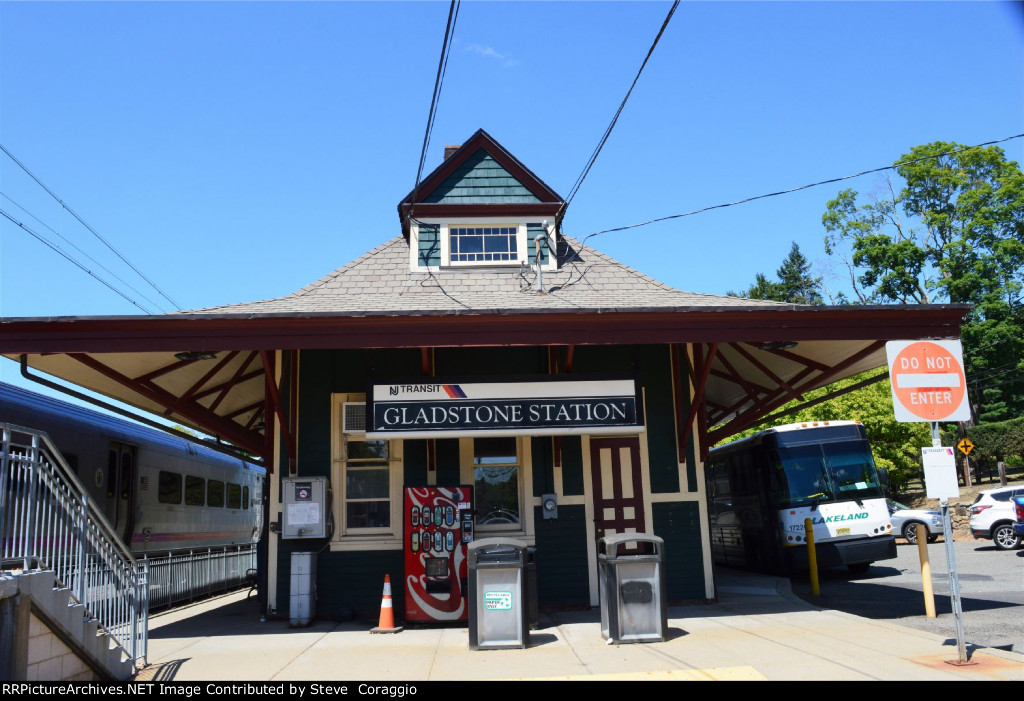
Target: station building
{"type": "Point", "coordinates": [478, 346]}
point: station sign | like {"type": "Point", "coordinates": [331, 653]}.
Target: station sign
{"type": "Point", "coordinates": [928, 381]}
{"type": "Point", "coordinates": [433, 408]}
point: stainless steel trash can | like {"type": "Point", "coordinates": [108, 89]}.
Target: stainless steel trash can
{"type": "Point", "coordinates": [497, 594]}
{"type": "Point", "coordinates": [631, 581]}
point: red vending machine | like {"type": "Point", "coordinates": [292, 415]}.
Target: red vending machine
{"type": "Point", "coordinates": [438, 526]}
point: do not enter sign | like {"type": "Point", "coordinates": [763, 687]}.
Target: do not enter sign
{"type": "Point", "coordinates": [928, 381]}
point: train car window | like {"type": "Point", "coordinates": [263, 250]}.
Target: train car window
{"type": "Point", "coordinates": [215, 493]}
{"type": "Point", "coordinates": [126, 477]}
{"type": "Point", "coordinates": [195, 491]}
{"type": "Point", "coordinates": [245, 497]}
{"type": "Point", "coordinates": [170, 488]}
{"type": "Point", "coordinates": [234, 496]}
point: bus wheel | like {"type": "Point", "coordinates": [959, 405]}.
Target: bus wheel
{"type": "Point", "coordinates": [859, 568]}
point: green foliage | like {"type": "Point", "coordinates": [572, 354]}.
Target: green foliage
{"type": "Point", "coordinates": [796, 285]}
{"type": "Point", "coordinates": [997, 441]}
{"type": "Point", "coordinates": [895, 445]}
{"type": "Point", "coordinates": [954, 234]}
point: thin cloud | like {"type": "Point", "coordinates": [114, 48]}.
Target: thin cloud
{"type": "Point", "coordinates": [504, 60]}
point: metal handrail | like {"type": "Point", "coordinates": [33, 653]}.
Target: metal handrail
{"type": "Point", "coordinates": [48, 522]}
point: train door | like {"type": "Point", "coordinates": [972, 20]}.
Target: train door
{"type": "Point", "coordinates": [122, 470]}
{"type": "Point", "coordinates": [618, 486]}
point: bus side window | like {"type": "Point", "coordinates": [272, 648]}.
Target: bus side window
{"type": "Point", "coordinates": [777, 476]}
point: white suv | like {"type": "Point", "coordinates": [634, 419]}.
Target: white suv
{"type": "Point", "coordinates": [992, 516]}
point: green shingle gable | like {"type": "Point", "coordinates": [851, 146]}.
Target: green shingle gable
{"type": "Point", "coordinates": [481, 180]}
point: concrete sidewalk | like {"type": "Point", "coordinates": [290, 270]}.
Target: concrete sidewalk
{"type": "Point", "coordinates": [758, 630]}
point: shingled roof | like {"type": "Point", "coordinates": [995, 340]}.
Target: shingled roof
{"type": "Point", "coordinates": [381, 282]}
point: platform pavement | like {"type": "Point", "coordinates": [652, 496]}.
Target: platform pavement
{"type": "Point", "coordinates": [758, 630]}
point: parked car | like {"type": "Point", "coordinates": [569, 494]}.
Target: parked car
{"type": "Point", "coordinates": [905, 520]}
{"type": "Point", "coordinates": [992, 516]}
{"type": "Point", "coordinates": [1018, 507]}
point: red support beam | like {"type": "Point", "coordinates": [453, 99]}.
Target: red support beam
{"type": "Point", "coordinates": [699, 389]}
{"type": "Point", "coordinates": [761, 366]}
{"type": "Point", "coordinates": [217, 425]}
{"type": "Point", "coordinates": [749, 416]}
{"type": "Point", "coordinates": [275, 401]}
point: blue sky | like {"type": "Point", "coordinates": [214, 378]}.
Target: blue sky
{"type": "Point", "coordinates": [236, 151]}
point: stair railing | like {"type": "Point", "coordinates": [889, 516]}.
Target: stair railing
{"type": "Point", "coordinates": [48, 522]}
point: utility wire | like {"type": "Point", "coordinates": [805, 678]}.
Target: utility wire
{"type": "Point", "coordinates": [91, 230]}
{"type": "Point", "coordinates": [795, 189]}
{"type": "Point", "coordinates": [58, 249]}
{"type": "Point", "coordinates": [608, 131]}
{"type": "Point", "coordinates": [71, 243]}
{"type": "Point", "coordinates": [442, 66]}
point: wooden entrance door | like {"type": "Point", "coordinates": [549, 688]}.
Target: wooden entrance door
{"type": "Point", "coordinates": [617, 486]}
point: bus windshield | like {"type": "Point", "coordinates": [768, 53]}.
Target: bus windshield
{"type": "Point", "coordinates": [811, 474]}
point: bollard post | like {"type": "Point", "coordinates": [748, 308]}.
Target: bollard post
{"type": "Point", "coordinates": [926, 571]}
{"type": "Point", "coordinates": [812, 557]}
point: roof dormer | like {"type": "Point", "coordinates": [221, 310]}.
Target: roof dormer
{"type": "Point", "coordinates": [481, 208]}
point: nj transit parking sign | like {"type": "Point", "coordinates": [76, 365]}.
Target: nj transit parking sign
{"type": "Point", "coordinates": [928, 381]}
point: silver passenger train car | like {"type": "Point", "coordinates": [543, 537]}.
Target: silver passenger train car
{"type": "Point", "coordinates": [162, 494]}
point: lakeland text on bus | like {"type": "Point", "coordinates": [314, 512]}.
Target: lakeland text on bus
{"type": "Point", "coordinates": [761, 489]}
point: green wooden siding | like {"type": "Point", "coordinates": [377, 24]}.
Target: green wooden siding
{"type": "Point", "coordinates": [447, 454]}
{"type": "Point", "coordinates": [543, 472]}
{"type": "Point", "coordinates": [561, 557]}
{"type": "Point", "coordinates": [349, 585]}
{"type": "Point", "coordinates": [656, 378]}
{"type": "Point", "coordinates": [414, 460]}
{"type": "Point", "coordinates": [678, 523]}
{"type": "Point", "coordinates": [430, 245]}
{"type": "Point", "coordinates": [481, 180]}
{"type": "Point", "coordinates": [532, 231]}
{"type": "Point", "coordinates": [572, 465]}
{"type": "Point", "coordinates": [490, 362]}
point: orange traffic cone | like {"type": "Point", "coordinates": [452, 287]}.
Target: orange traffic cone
{"type": "Point", "coordinates": [387, 611]}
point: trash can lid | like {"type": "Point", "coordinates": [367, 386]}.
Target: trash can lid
{"type": "Point", "coordinates": [609, 546]}
{"type": "Point", "coordinates": [617, 538]}
{"type": "Point", "coordinates": [496, 544]}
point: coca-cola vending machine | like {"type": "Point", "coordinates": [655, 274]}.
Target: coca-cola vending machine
{"type": "Point", "coordinates": [438, 526]}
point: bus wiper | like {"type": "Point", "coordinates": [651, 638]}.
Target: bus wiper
{"type": "Point", "coordinates": [815, 498]}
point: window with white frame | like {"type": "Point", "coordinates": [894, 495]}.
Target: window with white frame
{"type": "Point", "coordinates": [367, 496]}
{"type": "Point", "coordinates": [368, 478]}
{"type": "Point", "coordinates": [483, 244]}
{"type": "Point", "coordinates": [497, 484]}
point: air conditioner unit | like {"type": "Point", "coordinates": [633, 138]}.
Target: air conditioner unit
{"type": "Point", "coordinates": [353, 418]}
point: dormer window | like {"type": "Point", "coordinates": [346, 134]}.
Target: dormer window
{"type": "Point", "coordinates": [481, 208]}
{"type": "Point", "coordinates": [482, 244]}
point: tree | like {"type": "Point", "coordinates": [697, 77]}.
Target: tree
{"type": "Point", "coordinates": [954, 234]}
{"type": "Point", "coordinates": [795, 285]}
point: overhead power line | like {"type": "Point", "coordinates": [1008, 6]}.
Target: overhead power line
{"type": "Point", "coordinates": [611, 125]}
{"type": "Point", "coordinates": [61, 252]}
{"type": "Point", "coordinates": [90, 229]}
{"type": "Point", "coordinates": [442, 66]}
{"type": "Point", "coordinates": [798, 189]}
{"type": "Point", "coordinates": [72, 244]}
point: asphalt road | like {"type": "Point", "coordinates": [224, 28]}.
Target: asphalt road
{"type": "Point", "coordinates": [991, 583]}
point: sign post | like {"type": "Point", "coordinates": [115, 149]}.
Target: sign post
{"type": "Point", "coordinates": [929, 384]}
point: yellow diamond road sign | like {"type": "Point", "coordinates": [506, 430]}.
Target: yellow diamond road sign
{"type": "Point", "coordinates": [965, 446]}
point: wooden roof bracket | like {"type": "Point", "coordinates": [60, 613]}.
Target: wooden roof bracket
{"type": "Point", "coordinates": [748, 417]}
{"type": "Point", "coordinates": [683, 429]}
{"type": "Point", "coordinates": [201, 415]}
{"type": "Point", "coordinates": [275, 399]}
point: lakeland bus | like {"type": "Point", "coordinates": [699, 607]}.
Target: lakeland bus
{"type": "Point", "coordinates": [761, 488]}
